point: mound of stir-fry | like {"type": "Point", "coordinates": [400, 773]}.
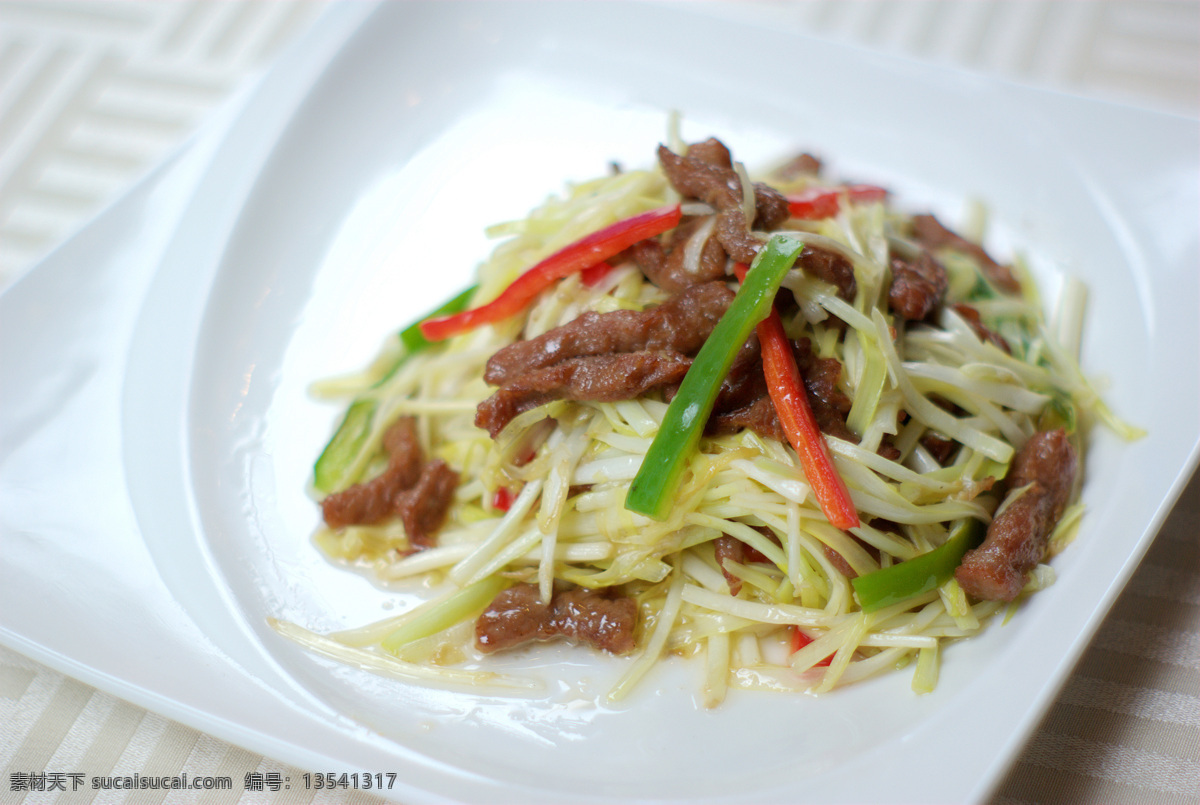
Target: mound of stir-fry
{"type": "Point", "coordinates": [780, 424]}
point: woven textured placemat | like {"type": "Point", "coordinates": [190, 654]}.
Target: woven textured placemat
{"type": "Point", "coordinates": [92, 94]}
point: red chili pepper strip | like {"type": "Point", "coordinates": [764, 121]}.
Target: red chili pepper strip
{"type": "Point", "coordinates": [824, 202]}
{"type": "Point", "coordinates": [791, 402]}
{"type": "Point", "coordinates": [582, 254]}
{"type": "Point", "coordinates": [800, 639]}
{"type": "Point", "coordinates": [502, 499]}
{"type": "Point", "coordinates": [591, 277]}
{"type": "Point", "coordinates": [814, 203]}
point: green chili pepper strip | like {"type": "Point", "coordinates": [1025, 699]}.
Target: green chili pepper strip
{"type": "Point", "coordinates": [329, 473]}
{"type": "Point", "coordinates": [335, 459]}
{"type": "Point", "coordinates": [653, 489]}
{"type": "Point", "coordinates": [918, 575]}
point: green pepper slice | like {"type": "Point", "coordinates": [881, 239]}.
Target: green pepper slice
{"type": "Point", "coordinates": [918, 575]}
{"type": "Point", "coordinates": [653, 489]}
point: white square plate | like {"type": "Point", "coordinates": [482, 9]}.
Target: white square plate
{"type": "Point", "coordinates": [156, 434]}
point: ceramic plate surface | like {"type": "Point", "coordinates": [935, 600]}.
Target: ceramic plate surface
{"type": "Point", "coordinates": [157, 433]}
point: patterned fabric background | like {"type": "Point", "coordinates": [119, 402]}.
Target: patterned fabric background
{"type": "Point", "coordinates": [92, 94]}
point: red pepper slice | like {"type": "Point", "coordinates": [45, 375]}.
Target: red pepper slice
{"type": "Point", "coordinates": [795, 414]}
{"type": "Point", "coordinates": [800, 639]}
{"type": "Point", "coordinates": [824, 202]}
{"type": "Point", "coordinates": [814, 203]}
{"type": "Point", "coordinates": [580, 255]}
{"type": "Point", "coordinates": [502, 499]}
{"type": "Point", "coordinates": [591, 277]}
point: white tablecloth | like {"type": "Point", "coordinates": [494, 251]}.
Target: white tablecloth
{"type": "Point", "coordinates": [94, 93]}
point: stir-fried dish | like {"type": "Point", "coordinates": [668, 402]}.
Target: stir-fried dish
{"type": "Point", "coordinates": [782, 425]}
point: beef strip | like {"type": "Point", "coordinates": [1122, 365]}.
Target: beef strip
{"type": "Point", "coordinates": [670, 271]}
{"type": "Point", "coordinates": [591, 617]}
{"type": "Point", "coordinates": [1016, 539]}
{"type": "Point", "coordinates": [799, 166]}
{"type": "Point", "coordinates": [745, 403]}
{"type": "Point", "coordinates": [711, 152]}
{"type": "Point", "coordinates": [373, 501]}
{"type": "Point", "coordinates": [514, 617]}
{"type": "Point", "coordinates": [758, 415]}
{"type": "Point", "coordinates": [745, 381]}
{"type": "Point", "coordinates": [918, 286]}
{"type": "Point", "coordinates": [705, 177]}
{"type": "Point", "coordinates": [931, 234]}
{"type": "Point", "coordinates": [733, 549]}
{"type": "Point", "coordinates": [886, 526]}
{"type": "Point", "coordinates": [888, 450]}
{"type": "Point", "coordinates": [829, 405]}
{"type": "Point", "coordinates": [1047, 458]}
{"type": "Point", "coordinates": [972, 317]}
{"type": "Point", "coordinates": [664, 261]}
{"type": "Point", "coordinates": [664, 264]}
{"type": "Point", "coordinates": [831, 267]}
{"type": "Point", "coordinates": [839, 562]}
{"type": "Point", "coordinates": [418, 492]}
{"type": "Point", "coordinates": [680, 324]}
{"type": "Point", "coordinates": [941, 448]}
{"type": "Point", "coordinates": [604, 378]}
{"type": "Point", "coordinates": [518, 615]}
{"type": "Point", "coordinates": [770, 206]}
{"type": "Point", "coordinates": [423, 507]}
